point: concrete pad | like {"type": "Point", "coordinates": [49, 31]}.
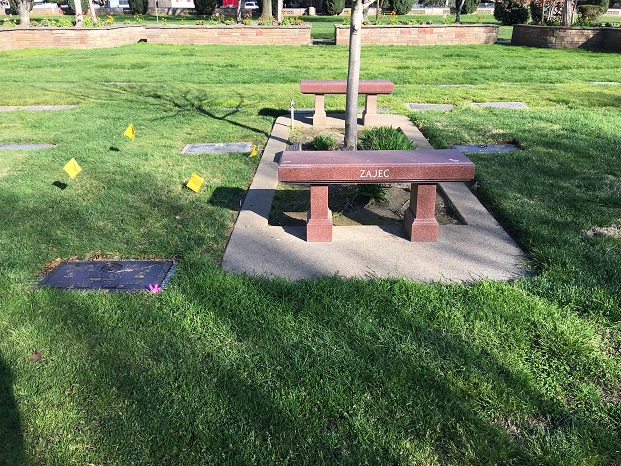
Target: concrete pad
{"type": "Point", "coordinates": [423, 107]}
{"type": "Point", "coordinates": [500, 105]}
{"type": "Point", "coordinates": [8, 108]}
{"type": "Point", "coordinates": [478, 249]}
{"type": "Point", "coordinates": [39, 108]}
{"type": "Point", "coordinates": [25, 146]}
{"type": "Point", "coordinates": [605, 83]}
{"type": "Point", "coordinates": [217, 148]}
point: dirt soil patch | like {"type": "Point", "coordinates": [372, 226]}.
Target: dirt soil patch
{"type": "Point", "coordinates": [292, 201]}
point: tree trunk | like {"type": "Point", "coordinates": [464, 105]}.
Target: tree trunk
{"type": "Point", "coordinates": [23, 8]}
{"type": "Point", "coordinates": [279, 14]}
{"type": "Point", "coordinates": [78, 13]}
{"type": "Point", "coordinates": [378, 10]}
{"type": "Point", "coordinates": [267, 9]}
{"type": "Point", "coordinates": [91, 10]}
{"type": "Point", "coordinates": [238, 17]}
{"type": "Point", "coordinates": [353, 77]}
{"type": "Point", "coordinates": [568, 12]}
{"type": "Point", "coordinates": [459, 7]}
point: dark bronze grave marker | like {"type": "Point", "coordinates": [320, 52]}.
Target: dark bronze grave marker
{"type": "Point", "coordinates": [126, 275]}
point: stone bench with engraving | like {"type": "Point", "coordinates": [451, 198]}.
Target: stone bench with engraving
{"type": "Point", "coordinates": [369, 87]}
{"type": "Point", "coordinates": [422, 168]}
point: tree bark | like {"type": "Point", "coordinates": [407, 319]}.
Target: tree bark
{"type": "Point", "coordinates": [238, 17]}
{"type": "Point", "coordinates": [78, 13]}
{"type": "Point", "coordinates": [23, 8]}
{"type": "Point", "coordinates": [353, 77]}
{"type": "Point", "coordinates": [91, 10]}
{"type": "Point", "coordinates": [279, 14]}
{"type": "Point", "coordinates": [459, 7]}
{"type": "Point", "coordinates": [569, 7]}
{"type": "Point", "coordinates": [267, 9]}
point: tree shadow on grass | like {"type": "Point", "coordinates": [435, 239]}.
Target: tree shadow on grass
{"type": "Point", "coordinates": [238, 370]}
{"type": "Point", "coordinates": [11, 441]}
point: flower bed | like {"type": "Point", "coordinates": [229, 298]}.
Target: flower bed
{"type": "Point", "coordinates": [417, 34]}
{"type": "Point", "coordinates": [562, 37]}
{"type": "Point", "coordinates": [114, 36]}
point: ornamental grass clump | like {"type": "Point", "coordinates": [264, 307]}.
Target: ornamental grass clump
{"type": "Point", "coordinates": [382, 138]}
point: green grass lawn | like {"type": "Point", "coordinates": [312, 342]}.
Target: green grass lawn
{"type": "Point", "coordinates": [223, 369]}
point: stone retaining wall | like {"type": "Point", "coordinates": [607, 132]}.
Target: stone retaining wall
{"type": "Point", "coordinates": [114, 36]}
{"type": "Point", "coordinates": [559, 37]}
{"type": "Point", "coordinates": [434, 34]}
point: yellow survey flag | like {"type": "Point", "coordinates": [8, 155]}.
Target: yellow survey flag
{"type": "Point", "coordinates": [130, 132]}
{"type": "Point", "coordinates": [254, 151]}
{"type": "Point", "coordinates": [72, 168]}
{"type": "Point", "coordinates": [195, 182]}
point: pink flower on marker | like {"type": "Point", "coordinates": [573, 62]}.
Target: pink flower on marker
{"type": "Point", "coordinates": [154, 288]}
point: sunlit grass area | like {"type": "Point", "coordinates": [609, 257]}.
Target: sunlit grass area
{"type": "Point", "coordinates": [223, 369]}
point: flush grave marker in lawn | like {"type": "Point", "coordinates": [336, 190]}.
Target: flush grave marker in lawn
{"type": "Point", "coordinates": [38, 108]}
{"type": "Point", "coordinates": [483, 148]}
{"type": "Point", "coordinates": [217, 148]}
{"type": "Point", "coordinates": [126, 275]}
{"type": "Point", "coordinates": [431, 106]}
{"type": "Point", "coordinates": [25, 146]}
{"type": "Point", "coordinates": [500, 105]}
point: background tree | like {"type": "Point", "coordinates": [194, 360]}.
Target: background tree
{"type": "Point", "coordinates": [401, 7]}
{"type": "Point", "coordinates": [22, 8]}
{"type": "Point", "coordinates": [510, 12]}
{"type": "Point", "coordinates": [333, 7]}
{"type": "Point", "coordinates": [139, 7]}
{"type": "Point", "coordinates": [466, 7]}
{"type": "Point", "coordinates": [207, 7]}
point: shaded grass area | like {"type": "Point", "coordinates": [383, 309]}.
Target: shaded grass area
{"type": "Point", "coordinates": [232, 369]}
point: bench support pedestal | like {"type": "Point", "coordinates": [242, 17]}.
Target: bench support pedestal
{"type": "Point", "coordinates": [420, 221]}
{"type": "Point", "coordinates": [319, 218]}
{"type": "Point", "coordinates": [369, 115]}
{"type": "Point", "coordinates": [320, 118]}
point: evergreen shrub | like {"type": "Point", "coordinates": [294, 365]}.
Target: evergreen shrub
{"type": "Point", "coordinates": [333, 7]}
{"type": "Point", "coordinates": [401, 7]}
{"type": "Point", "coordinates": [139, 7]}
{"type": "Point", "coordinates": [510, 12]}
{"type": "Point", "coordinates": [205, 7]}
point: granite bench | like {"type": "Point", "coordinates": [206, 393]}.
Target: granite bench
{"type": "Point", "coordinates": [422, 168]}
{"type": "Point", "coordinates": [370, 88]}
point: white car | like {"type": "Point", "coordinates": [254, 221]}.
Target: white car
{"type": "Point", "coordinates": [251, 6]}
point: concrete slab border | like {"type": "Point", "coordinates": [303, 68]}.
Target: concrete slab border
{"type": "Point", "coordinates": [479, 249]}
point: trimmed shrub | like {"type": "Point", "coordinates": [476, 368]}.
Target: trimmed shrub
{"type": "Point", "coordinates": [401, 7]}
{"type": "Point", "coordinates": [71, 7]}
{"type": "Point", "coordinates": [205, 7]}
{"type": "Point", "coordinates": [605, 4]}
{"type": "Point", "coordinates": [139, 7]}
{"type": "Point", "coordinates": [509, 12]}
{"type": "Point", "coordinates": [469, 7]}
{"type": "Point", "coordinates": [591, 13]}
{"type": "Point", "coordinates": [333, 7]}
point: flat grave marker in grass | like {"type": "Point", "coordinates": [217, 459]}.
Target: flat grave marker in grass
{"type": "Point", "coordinates": [605, 83]}
{"type": "Point", "coordinates": [26, 146]}
{"type": "Point", "coordinates": [217, 148]}
{"type": "Point", "coordinates": [500, 105]}
{"type": "Point", "coordinates": [37, 108]}
{"type": "Point", "coordinates": [423, 107]}
{"type": "Point", "coordinates": [484, 148]}
{"type": "Point", "coordinates": [127, 275]}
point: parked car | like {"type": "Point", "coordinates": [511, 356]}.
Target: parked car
{"type": "Point", "coordinates": [251, 5]}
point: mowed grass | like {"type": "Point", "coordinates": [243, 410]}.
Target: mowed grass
{"type": "Point", "coordinates": [222, 369]}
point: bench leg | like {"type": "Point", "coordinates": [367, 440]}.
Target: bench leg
{"type": "Point", "coordinates": [319, 222]}
{"type": "Point", "coordinates": [370, 116]}
{"type": "Point", "coordinates": [319, 118]}
{"type": "Point", "coordinates": [420, 220]}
